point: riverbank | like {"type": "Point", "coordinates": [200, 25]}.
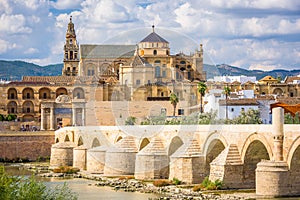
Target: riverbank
{"type": "Point", "coordinates": [174, 192]}
{"type": "Point", "coordinates": [128, 184]}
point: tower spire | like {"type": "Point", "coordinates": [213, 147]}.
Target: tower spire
{"type": "Point", "coordinates": [153, 28]}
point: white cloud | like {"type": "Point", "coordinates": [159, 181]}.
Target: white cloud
{"type": "Point", "coordinates": [245, 33]}
{"type": "Point", "coordinates": [5, 7]}
{"type": "Point", "coordinates": [5, 46]}
{"type": "Point", "coordinates": [66, 4]}
{"type": "Point", "coordinates": [31, 51]}
{"type": "Point", "coordinates": [11, 24]}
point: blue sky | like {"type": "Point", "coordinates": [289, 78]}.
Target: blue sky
{"type": "Point", "coordinates": [252, 34]}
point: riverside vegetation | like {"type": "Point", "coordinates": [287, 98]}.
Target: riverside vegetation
{"type": "Point", "coordinates": [23, 188]}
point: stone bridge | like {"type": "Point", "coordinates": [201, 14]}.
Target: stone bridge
{"type": "Point", "coordinates": [242, 156]}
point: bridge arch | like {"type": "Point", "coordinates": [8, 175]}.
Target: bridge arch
{"type": "Point", "coordinates": [144, 142]}
{"type": "Point", "coordinates": [255, 149]}
{"type": "Point", "coordinates": [213, 137]}
{"type": "Point", "coordinates": [253, 137]}
{"type": "Point", "coordinates": [293, 150]}
{"type": "Point", "coordinates": [96, 143]}
{"type": "Point", "coordinates": [118, 138]}
{"type": "Point", "coordinates": [175, 143]}
{"type": "Point", "coordinates": [67, 139]}
{"type": "Point", "coordinates": [80, 141]}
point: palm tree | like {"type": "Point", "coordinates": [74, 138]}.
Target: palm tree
{"type": "Point", "coordinates": [174, 100]}
{"type": "Point", "coordinates": [227, 93]}
{"type": "Point", "coordinates": [201, 89]}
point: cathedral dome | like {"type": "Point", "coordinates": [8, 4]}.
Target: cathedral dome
{"type": "Point", "coordinates": [154, 37]}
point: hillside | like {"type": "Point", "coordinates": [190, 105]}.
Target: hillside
{"type": "Point", "coordinates": [14, 70]}
{"type": "Point", "coordinates": [222, 70]}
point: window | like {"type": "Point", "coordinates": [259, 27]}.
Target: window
{"type": "Point", "coordinates": [162, 94]}
{"type": "Point", "coordinates": [163, 111]}
{"type": "Point", "coordinates": [155, 52]}
{"type": "Point", "coordinates": [189, 75]}
{"type": "Point", "coordinates": [44, 95]}
{"type": "Point", "coordinates": [180, 111]}
{"type": "Point", "coordinates": [292, 94]}
{"type": "Point", "coordinates": [28, 95]}
{"type": "Point", "coordinates": [149, 82]}
{"type": "Point", "coordinates": [28, 110]}
{"type": "Point", "coordinates": [182, 62]}
{"type": "Point", "coordinates": [70, 41]}
{"type": "Point", "coordinates": [138, 82]}
{"type": "Point", "coordinates": [164, 74]}
{"type": "Point", "coordinates": [71, 54]}
{"type": "Point", "coordinates": [157, 72]}
{"type": "Point", "coordinates": [12, 95]}
{"type": "Point", "coordinates": [232, 109]}
{"type": "Point", "coordinates": [66, 55]}
{"type": "Point", "coordinates": [157, 61]}
{"type": "Point", "coordinates": [74, 68]}
{"type": "Point", "coordinates": [12, 110]}
{"type": "Point", "coordinates": [78, 95]}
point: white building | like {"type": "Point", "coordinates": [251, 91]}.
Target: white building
{"type": "Point", "coordinates": [235, 106]}
{"type": "Point", "coordinates": [230, 79]}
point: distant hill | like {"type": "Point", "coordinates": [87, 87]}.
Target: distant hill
{"type": "Point", "coordinates": [14, 70]}
{"type": "Point", "coordinates": [222, 70]}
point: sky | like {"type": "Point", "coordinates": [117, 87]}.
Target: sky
{"type": "Point", "coordinates": [251, 34]}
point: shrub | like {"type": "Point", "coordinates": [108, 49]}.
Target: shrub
{"type": "Point", "coordinates": [130, 120]}
{"type": "Point", "coordinates": [161, 183]}
{"type": "Point", "coordinates": [66, 170]}
{"type": "Point", "coordinates": [208, 185]}
{"type": "Point", "coordinates": [197, 188]}
{"type": "Point", "coordinates": [16, 188]}
{"type": "Point", "coordinates": [126, 177]}
{"type": "Point", "coordinates": [176, 181]}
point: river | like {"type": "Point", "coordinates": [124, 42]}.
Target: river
{"type": "Point", "coordinates": [87, 190]}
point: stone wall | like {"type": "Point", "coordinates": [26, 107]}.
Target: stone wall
{"type": "Point", "coordinates": [26, 145]}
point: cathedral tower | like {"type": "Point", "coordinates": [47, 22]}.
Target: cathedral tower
{"type": "Point", "coordinates": [71, 52]}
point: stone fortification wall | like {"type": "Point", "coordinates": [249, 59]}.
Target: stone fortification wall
{"type": "Point", "coordinates": [25, 145]}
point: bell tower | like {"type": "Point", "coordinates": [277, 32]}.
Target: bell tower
{"type": "Point", "coordinates": [71, 50]}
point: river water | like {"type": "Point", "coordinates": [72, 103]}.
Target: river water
{"type": "Point", "coordinates": [87, 190]}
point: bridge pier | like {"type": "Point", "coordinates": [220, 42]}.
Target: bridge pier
{"type": "Point", "coordinates": [187, 163]}
{"type": "Point", "coordinates": [272, 176]}
{"type": "Point", "coordinates": [228, 167]}
{"type": "Point", "coordinates": [79, 157]}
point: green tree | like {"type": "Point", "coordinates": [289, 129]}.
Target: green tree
{"type": "Point", "coordinates": [288, 118]}
{"type": "Point", "coordinates": [227, 94]}
{"type": "Point", "coordinates": [2, 117]}
{"type": "Point", "coordinates": [201, 89]}
{"type": "Point", "coordinates": [11, 117]}
{"type": "Point", "coordinates": [16, 188]}
{"type": "Point", "coordinates": [130, 120]}
{"type": "Point", "coordinates": [250, 117]}
{"type": "Point", "coordinates": [174, 101]}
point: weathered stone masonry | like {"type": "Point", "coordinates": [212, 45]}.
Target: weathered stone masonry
{"type": "Point", "coordinates": [26, 145]}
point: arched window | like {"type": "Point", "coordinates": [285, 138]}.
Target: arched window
{"type": "Point", "coordinates": [155, 52]}
{"type": "Point", "coordinates": [157, 72]}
